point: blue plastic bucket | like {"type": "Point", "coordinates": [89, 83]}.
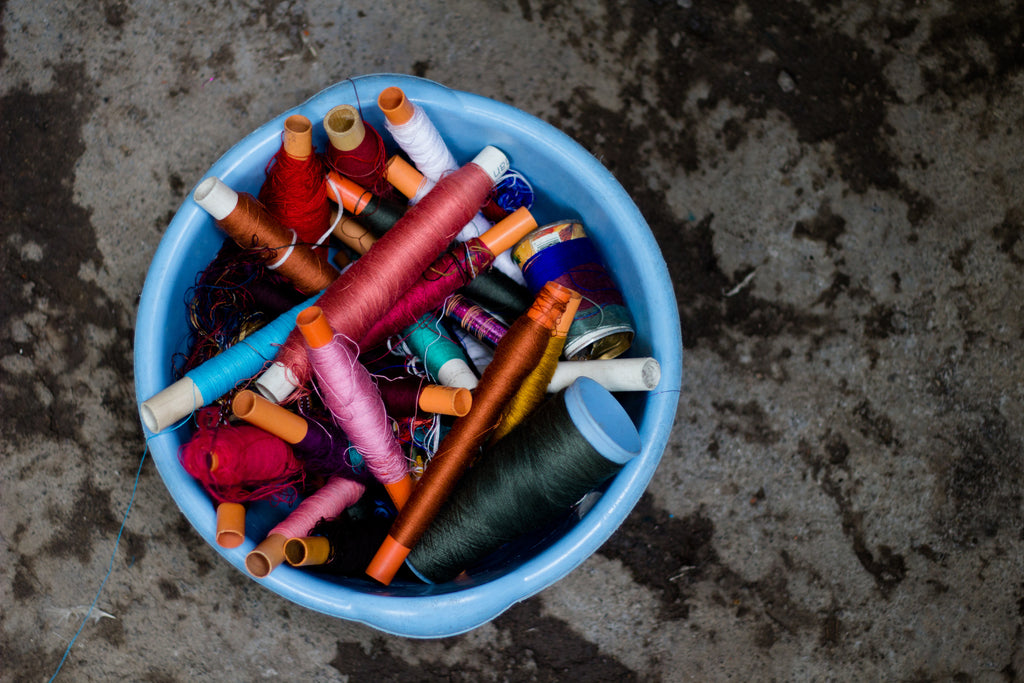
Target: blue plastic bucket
{"type": "Point", "coordinates": [569, 182]}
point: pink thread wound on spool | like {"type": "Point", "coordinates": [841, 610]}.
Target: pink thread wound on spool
{"type": "Point", "coordinates": [351, 395]}
{"type": "Point", "coordinates": [327, 502]}
{"type": "Point", "coordinates": [374, 282]}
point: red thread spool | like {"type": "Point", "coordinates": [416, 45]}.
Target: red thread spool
{"type": "Point", "coordinates": [239, 463]}
{"type": "Point", "coordinates": [356, 149]}
{"type": "Point", "coordinates": [294, 191]}
{"type": "Point", "coordinates": [448, 273]}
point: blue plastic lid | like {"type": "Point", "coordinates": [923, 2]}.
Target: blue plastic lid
{"type": "Point", "coordinates": [602, 420]}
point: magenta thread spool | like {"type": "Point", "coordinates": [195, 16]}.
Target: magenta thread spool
{"type": "Point", "coordinates": [563, 253]}
{"type": "Point", "coordinates": [475, 319]}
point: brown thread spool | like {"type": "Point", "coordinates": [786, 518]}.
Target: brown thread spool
{"type": "Point", "coordinates": [250, 225]}
{"type": "Point", "coordinates": [516, 355]}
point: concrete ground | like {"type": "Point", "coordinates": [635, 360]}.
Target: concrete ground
{"type": "Point", "coordinates": [836, 190]}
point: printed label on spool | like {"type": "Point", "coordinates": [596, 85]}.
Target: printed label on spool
{"type": "Point", "coordinates": [562, 252]}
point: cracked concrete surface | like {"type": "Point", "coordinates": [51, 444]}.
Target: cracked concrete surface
{"type": "Point", "coordinates": [835, 187]}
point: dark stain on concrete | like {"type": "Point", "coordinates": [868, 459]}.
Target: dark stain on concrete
{"type": "Point", "coordinates": [665, 553]}
{"type": "Point", "coordinates": [24, 583]}
{"type": "Point", "coordinates": [169, 589]}
{"type": "Point", "coordinates": [959, 71]}
{"type": "Point", "coordinates": [983, 482]}
{"type": "Point", "coordinates": [874, 425]}
{"type": "Point", "coordinates": [420, 68]}
{"type": "Point", "coordinates": [887, 567]}
{"type": "Point", "coordinates": [39, 133]}
{"type": "Point", "coordinates": [542, 645]}
{"type": "Point", "coordinates": [23, 660]}
{"type": "Point", "coordinates": [958, 257]}
{"type": "Point", "coordinates": [825, 227]}
{"type": "Point", "coordinates": [197, 549]}
{"type": "Point", "coordinates": [73, 529]}
{"type": "Point", "coordinates": [3, 33]}
{"type": "Point", "coordinates": [116, 14]}
{"type": "Point", "coordinates": [747, 420]}
{"type": "Point", "coordinates": [1009, 233]}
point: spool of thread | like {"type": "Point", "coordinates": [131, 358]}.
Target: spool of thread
{"type": "Point", "coordinates": [562, 252]}
{"type": "Point", "coordinates": [352, 234]}
{"type": "Point", "coordinates": [350, 394]}
{"type": "Point", "coordinates": [230, 525]}
{"type": "Point", "coordinates": [242, 217]}
{"type": "Point", "coordinates": [532, 391]}
{"type": "Point", "coordinates": [499, 294]}
{"type": "Point", "coordinates": [326, 503]}
{"type": "Point", "coordinates": [478, 353]}
{"type": "Point", "coordinates": [377, 214]}
{"type": "Point", "coordinates": [356, 149]}
{"type": "Point", "coordinates": [374, 282]}
{"type": "Point", "coordinates": [444, 360]}
{"type": "Point", "coordinates": [407, 396]}
{"type": "Point", "coordinates": [474, 319]}
{"type": "Point", "coordinates": [615, 374]}
{"type": "Point", "coordinates": [220, 374]}
{"type": "Point", "coordinates": [322, 448]}
{"type": "Point", "coordinates": [294, 191]}
{"type": "Point", "coordinates": [415, 133]}
{"type": "Point", "coordinates": [511, 192]}
{"type": "Point", "coordinates": [448, 273]}
{"type": "Point", "coordinates": [413, 184]}
{"type": "Point", "coordinates": [239, 463]}
{"type": "Point", "coordinates": [569, 446]}
{"type": "Point", "coordinates": [515, 356]}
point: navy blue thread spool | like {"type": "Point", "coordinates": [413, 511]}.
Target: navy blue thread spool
{"type": "Point", "coordinates": [562, 252]}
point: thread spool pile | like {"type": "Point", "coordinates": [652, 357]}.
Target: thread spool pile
{"type": "Point", "coordinates": [410, 267]}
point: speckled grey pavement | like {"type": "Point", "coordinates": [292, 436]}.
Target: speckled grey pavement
{"type": "Point", "coordinates": [836, 188]}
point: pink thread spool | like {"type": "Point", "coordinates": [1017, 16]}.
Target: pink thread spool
{"type": "Point", "coordinates": [327, 503]}
{"type": "Point", "coordinates": [350, 394]}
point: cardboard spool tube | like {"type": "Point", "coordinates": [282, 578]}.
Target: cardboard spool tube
{"type": "Point", "coordinates": [403, 176]}
{"type": "Point", "coordinates": [314, 327]}
{"type": "Point", "coordinates": [307, 551]}
{"type": "Point", "coordinates": [509, 230]}
{"type": "Point", "coordinates": [171, 404]}
{"type": "Point", "coordinates": [354, 197]}
{"type": "Point", "coordinates": [298, 137]}
{"type": "Point", "coordinates": [443, 400]}
{"type": "Point", "coordinates": [565, 322]}
{"type": "Point", "coordinates": [395, 105]}
{"type": "Point", "coordinates": [230, 525]}
{"type": "Point", "coordinates": [270, 417]}
{"type": "Point", "coordinates": [344, 127]}
{"type": "Point", "coordinates": [266, 557]}
{"type": "Point", "coordinates": [353, 235]}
